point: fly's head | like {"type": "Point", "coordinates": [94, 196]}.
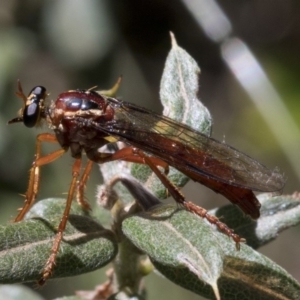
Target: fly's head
{"type": "Point", "coordinates": [34, 106]}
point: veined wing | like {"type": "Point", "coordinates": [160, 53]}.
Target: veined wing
{"type": "Point", "coordinates": [187, 149]}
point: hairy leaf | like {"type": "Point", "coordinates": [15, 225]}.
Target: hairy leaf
{"type": "Point", "coordinates": [195, 255]}
{"type": "Point", "coordinates": [86, 245]}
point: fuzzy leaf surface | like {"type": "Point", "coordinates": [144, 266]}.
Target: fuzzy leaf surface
{"type": "Point", "coordinates": [193, 254]}
{"type": "Point", "coordinates": [86, 245]}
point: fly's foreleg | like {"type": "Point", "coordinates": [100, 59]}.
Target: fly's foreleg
{"type": "Point", "coordinates": [34, 174]}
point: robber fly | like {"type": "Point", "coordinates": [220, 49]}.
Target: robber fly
{"type": "Point", "coordinates": [85, 120]}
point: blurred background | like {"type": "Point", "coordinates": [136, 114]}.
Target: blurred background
{"type": "Point", "coordinates": [250, 85]}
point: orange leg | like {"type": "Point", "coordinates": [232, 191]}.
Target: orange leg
{"type": "Point", "coordinates": [34, 177]}
{"type": "Point", "coordinates": [130, 154]}
{"type": "Point", "coordinates": [50, 264]}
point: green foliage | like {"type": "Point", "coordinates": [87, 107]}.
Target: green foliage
{"type": "Point", "coordinates": [191, 253]}
{"type": "Point", "coordinates": [28, 243]}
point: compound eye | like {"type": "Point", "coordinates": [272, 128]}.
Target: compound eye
{"type": "Point", "coordinates": [34, 103]}
{"type": "Point", "coordinates": [31, 114]}
{"type": "Point", "coordinates": [38, 91]}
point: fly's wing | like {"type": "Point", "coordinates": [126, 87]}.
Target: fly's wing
{"type": "Point", "coordinates": [188, 150]}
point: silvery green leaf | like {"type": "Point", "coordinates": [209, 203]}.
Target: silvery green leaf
{"type": "Point", "coordinates": [196, 256]}
{"type": "Point", "coordinates": [86, 245]}
{"type": "Point", "coordinates": [178, 93]}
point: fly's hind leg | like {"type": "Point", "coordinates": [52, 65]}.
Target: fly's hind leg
{"type": "Point", "coordinates": [125, 154]}
{"type": "Point", "coordinates": [135, 155]}
{"type": "Point", "coordinates": [190, 206]}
